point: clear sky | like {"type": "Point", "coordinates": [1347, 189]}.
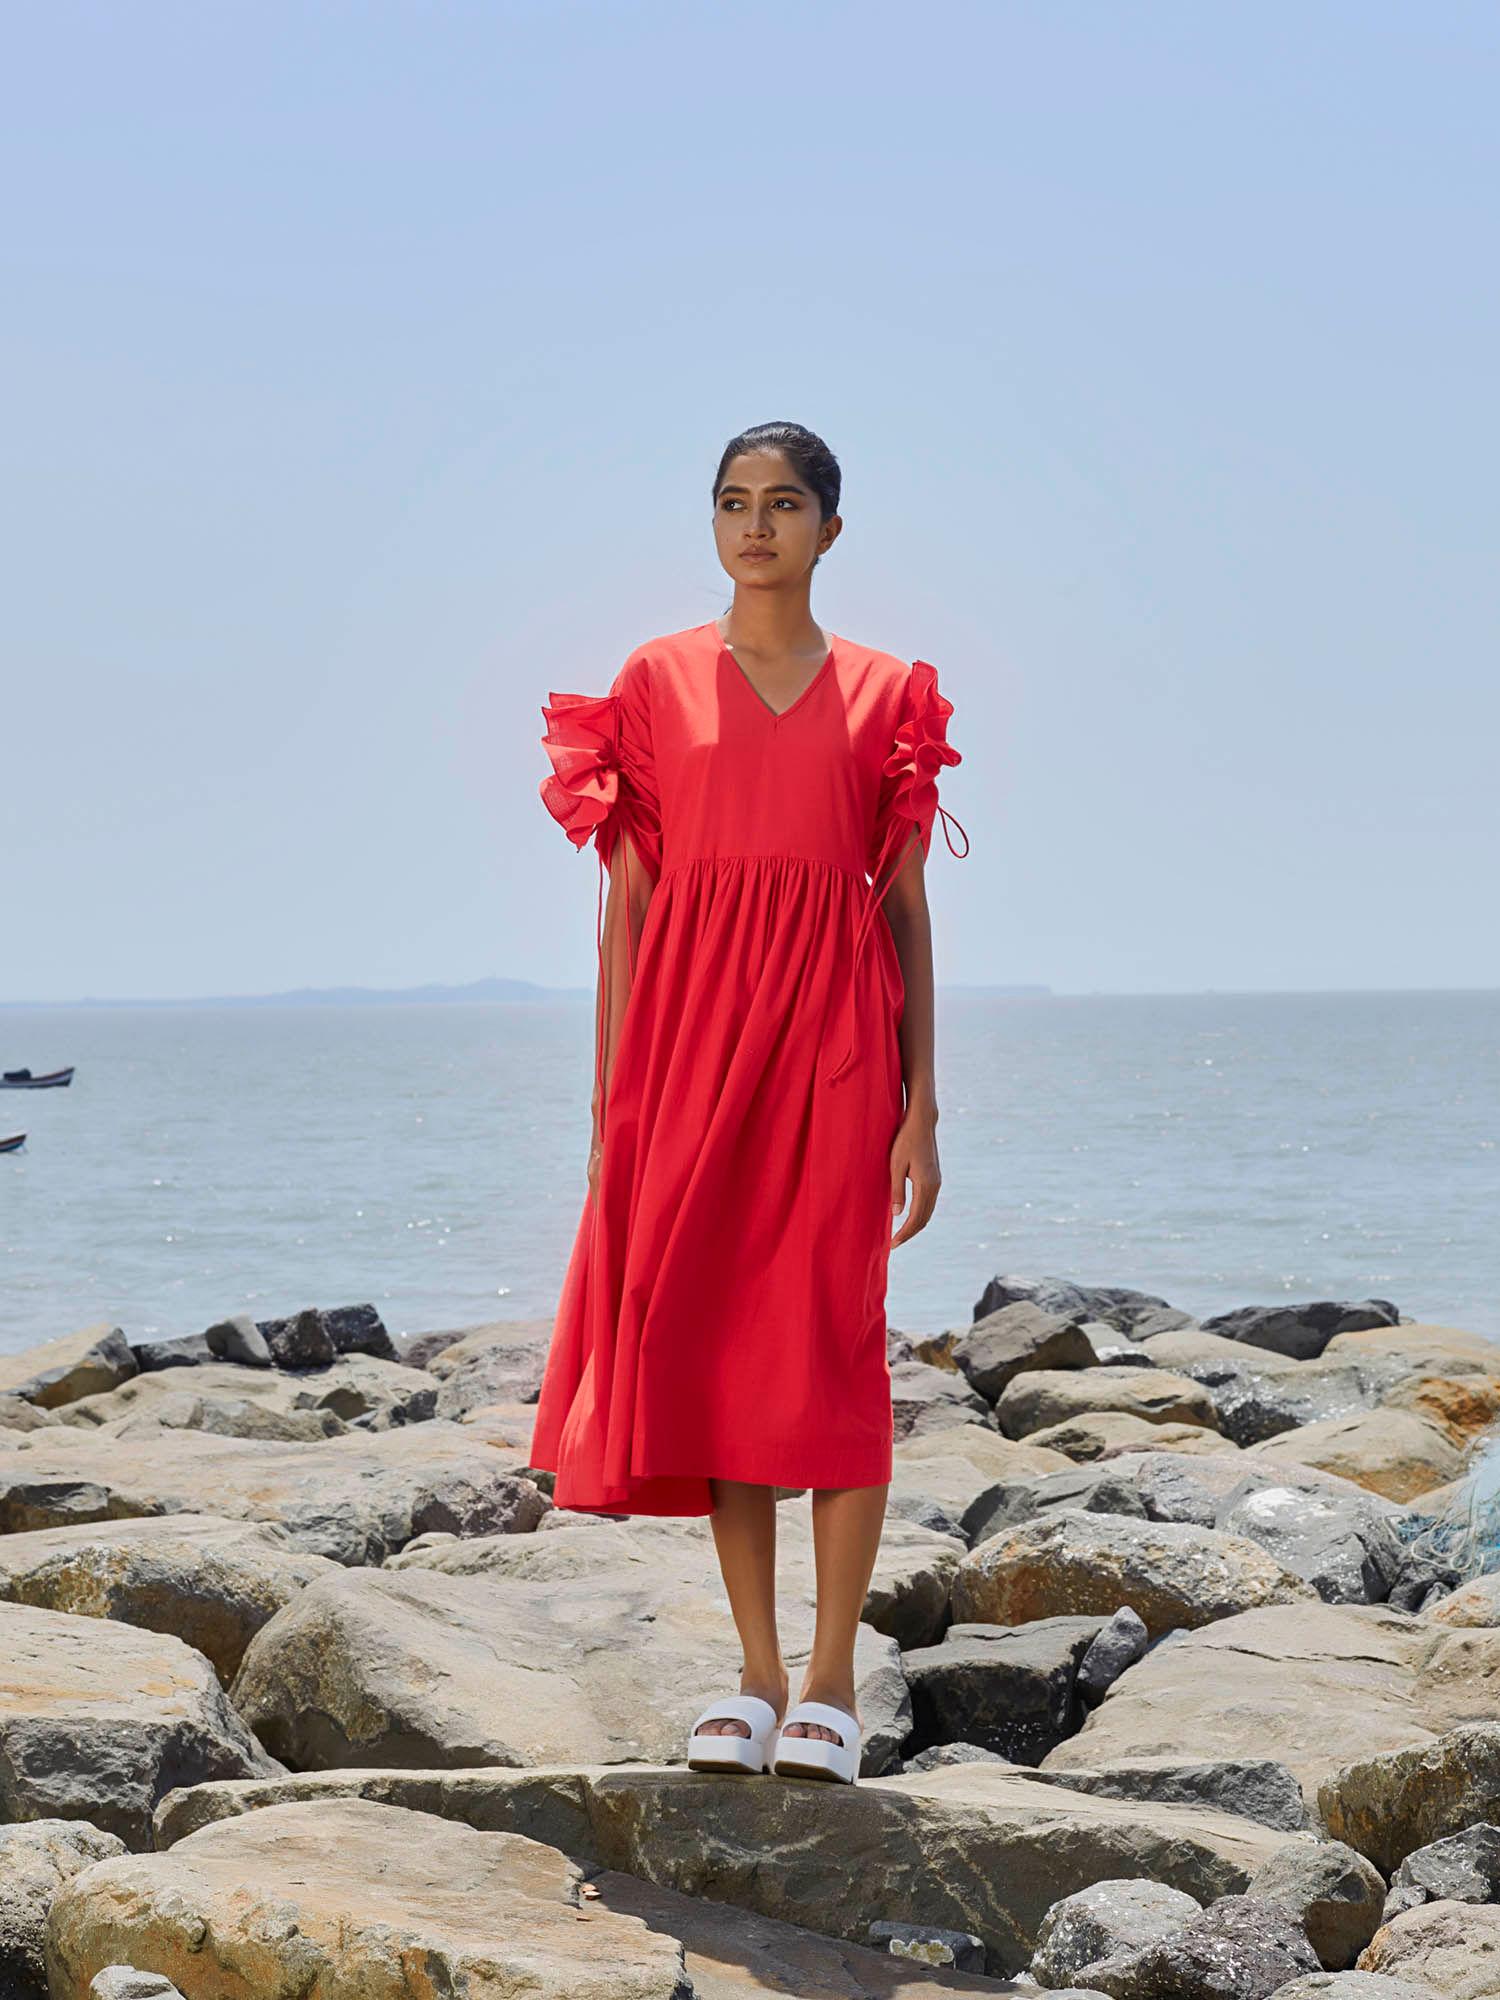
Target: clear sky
{"type": "Point", "coordinates": [366, 367]}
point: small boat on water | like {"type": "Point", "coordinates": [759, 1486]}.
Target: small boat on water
{"type": "Point", "coordinates": [22, 1079]}
{"type": "Point", "coordinates": [10, 1145]}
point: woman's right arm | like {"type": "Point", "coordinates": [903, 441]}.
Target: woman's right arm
{"type": "Point", "coordinates": [630, 892]}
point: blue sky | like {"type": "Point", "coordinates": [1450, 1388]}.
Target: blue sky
{"type": "Point", "coordinates": [366, 371]}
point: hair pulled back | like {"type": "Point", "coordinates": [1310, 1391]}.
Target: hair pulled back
{"type": "Point", "coordinates": [814, 462]}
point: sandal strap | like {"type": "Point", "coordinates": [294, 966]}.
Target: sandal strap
{"type": "Point", "coordinates": [749, 1708]}
{"type": "Point", "coordinates": [830, 1717]}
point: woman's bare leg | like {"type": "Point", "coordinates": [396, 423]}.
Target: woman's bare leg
{"type": "Point", "coordinates": [846, 1540]}
{"type": "Point", "coordinates": [744, 1527]}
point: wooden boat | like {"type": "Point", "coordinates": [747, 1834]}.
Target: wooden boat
{"type": "Point", "coordinates": [10, 1145]}
{"type": "Point", "coordinates": [22, 1079]}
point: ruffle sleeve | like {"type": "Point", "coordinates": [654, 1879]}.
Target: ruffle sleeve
{"type": "Point", "coordinates": [602, 783]}
{"type": "Point", "coordinates": [906, 809]}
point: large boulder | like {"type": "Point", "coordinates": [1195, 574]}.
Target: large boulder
{"type": "Point", "coordinates": [1105, 1919]}
{"type": "Point", "coordinates": [1018, 1338]}
{"type": "Point", "coordinates": [77, 1364]}
{"type": "Point", "coordinates": [1258, 1788]}
{"type": "Point", "coordinates": [1474, 1603]}
{"type": "Point", "coordinates": [98, 1720]}
{"type": "Point", "coordinates": [1387, 1450]}
{"type": "Point", "coordinates": [1390, 1803]}
{"type": "Point", "coordinates": [345, 1390]}
{"type": "Point", "coordinates": [1339, 1537]}
{"type": "Point", "coordinates": [1335, 1894]}
{"type": "Point", "coordinates": [36, 1858]}
{"type": "Point", "coordinates": [1013, 1690]}
{"type": "Point", "coordinates": [1238, 1949]}
{"type": "Point", "coordinates": [973, 1847]}
{"type": "Point", "coordinates": [1045, 1397]}
{"type": "Point", "coordinates": [1169, 1573]}
{"type": "Point", "coordinates": [1450, 1951]}
{"type": "Point", "coordinates": [1301, 1331]}
{"type": "Point", "coordinates": [925, 1398]}
{"type": "Point", "coordinates": [208, 1581]}
{"type": "Point", "coordinates": [352, 1897]}
{"type": "Point", "coordinates": [1416, 1347]}
{"type": "Point", "coordinates": [354, 1498]}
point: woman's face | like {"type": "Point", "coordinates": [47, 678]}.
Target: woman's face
{"type": "Point", "coordinates": [766, 522]}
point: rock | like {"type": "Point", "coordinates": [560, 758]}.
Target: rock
{"type": "Point", "coordinates": [1010, 1846]}
{"type": "Point", "coordinates": [926, 1399]}
{"type": "Point", "coordinates": [19, 1415]}
{"type": "Point", "coordinates": [1119, 1645]}
{"type": "Point", "coordinates": [76, 1365]}
{"type": "Point", "coordinates": [1008, 1689]}
{"type": "Point", "coordinates": [123, 1982]}
{"type": "Point", "coordinates": [98, 1720]}
{"type": "Point", "coordinates": [1076, 1563]}
{"type": "Point", "coordinates": [350, 1896]}
{"type": "Point", "coordinates": [1042, 1398]}
{"type": "Point", "coordinates": [1461, 1409]}
{"type": "Point", "coordinates": [1386, 1450]}
{"type": "Point", "coordinates": [1308, 1685]}
{"type": "Point", "coordinates": [1336, 1536]}
{"type": "Point", "coordinates": [1100, 1488]}
{"type": "Point", "coordinates": [318, 1401]}
{"type": "Point", "coordinates": [355, 1498]}
{"type": "Point", "coordinates": [1106, 1918]}
{"type": "Point", "coordinates": [1301, 1331]}
{"type": "Point", "coordinates": [1256, 1788]}
{"type": "Point", "coordinates": [302, 1341]}
{"type": "Point", "coordinates": [35, 1860]}
{"type": "Point", "coordinates": [1334, 1893]}
{"type": "Point", "coordinates": [926, 1944]}
{"type": "Point", "coordinates": [1476, 1603]}
{"type": "Point", "coordinates": [1416, 1348]}
{"type": "Point", "coordinates": [1464, 1868]}
{"type": "Point", "coordinates": [188, 1350]}
{"type": "Point", "coordinates": [1238, 1949]}
{"type": "Point", "coordinates": [208, 1581]}
{"type": "Point", "coordinates": [597, 1646]}
{"type": "Point", "coordinates": [238, 1339]}
{"type": "Point", "coordinates": [941, 1754]}
{"type": "Point", "coordinates": [359, 1329]}
{"type": "Point", "coordinates": [1351, 1986]}
{"type": "Point", "coordinates": [1016, 1339]}
{"type": "Point", "coordinates": [1129, 1312]}
{"type": "Point", "coordinates": [1184, 1486]}
{"type": "Point", "coordinates": [1389, 1805]}
{"type": "Point", "coordinates": [981, 1446]}
{"type": "Point", "coordinates": [1449, 1951]}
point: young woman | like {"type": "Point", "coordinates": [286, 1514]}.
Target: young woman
{"type": "Point", "coordinates": [763, 1090]}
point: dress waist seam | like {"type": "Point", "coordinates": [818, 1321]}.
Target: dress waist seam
{"type": "Point", "coordinates": [858, 876]}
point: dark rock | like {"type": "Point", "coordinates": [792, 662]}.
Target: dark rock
{"type": "Point", "coordinates": [1108, 1919]}
{"type": "Point", "coordinates": [1097, 1488]}
{"type": "Point", "coordinates": [1343, 1543]}
{"type": "Point", "coordinates": [1253, 1788]}
{"type": "Point", "coordinates": [1017, 1337]}
{"type": "Point", "coordinates": [1119, 1645]}
{"type": "Point", "coordinates": [925, 1398]}
{"type": "Point", "coordinates": [239, 1339]}
{"type": "Point", "coordinates": [1013, 1690]}
{"type": "Point", "coordinates": [941, 1754]}
{"type": "Point", "coordinates": [1238, 1949]}
{"type": "Point", "coordinates": [1464, 1868]}
{"type": "Point", "coordinates": [1336, 1894]}
{"type": "Point", "coordinates": [927, 1944]}
{"type": "Point", "coordinates": [188, 1350]}
{"type": "Point", "coordinates": [300, 1342]}
{"type": "Point", "coordinates": [359, 1330]}
{"type": "Point", "coordinates": [1301, 1331]}
{"type": "Point", "coordinates": [1125, 1310]}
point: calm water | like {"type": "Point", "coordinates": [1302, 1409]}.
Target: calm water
{"type": "Point", "coordinates": [1219, 1150]}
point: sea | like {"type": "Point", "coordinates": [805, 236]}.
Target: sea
{"type": "Point", "coordinates": [1213, 1149]}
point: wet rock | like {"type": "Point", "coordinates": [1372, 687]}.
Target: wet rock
{"type": "Point", "coordinates": [1238, 1949]}
{"type": "Point", "coordinates": [98, 1720]}
{"type": "Point", "coordinates": [1077, 1563]}
{"type": "Point", "coordinates": [1386, 1450]}
{"type": "Point", "coordinates": [210, 1582]}
{"type": "Point", "coordinates": [1042, 1398]}
{"type": "Point", "coordinates": [76, 1365]}
{"type": "Point", "coordinates": [36, 1858]}
{"type": "Point", "coordinates": [1010, 1689]}
{"type": "Point", "coordinates": [1255, 1788]}
{"type": "Point", "coordinates": [351, 1896]}
{"type": "Point", "coordinates": [1300, 1331]}
{"type": "Point", "coordinates": [1449, 1951]}
{"type": "Point", "coordinates": [1018, 1338]}
{"type": "Point", "coordinates": [1338, 1537]}
{"type": "Point", "coordinates": [1336, 1895]}
{"type": "Point", "coordinates": [1389, 1806]}
{"type": "Point", "coordinates": [240, 1340]}
{"type": "Point", "coordinates": [1119, 1645]}
{"type": "Point", "coordinates": [1105, 1919]}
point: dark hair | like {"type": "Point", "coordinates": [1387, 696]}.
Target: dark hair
{"type": "Point", "coordinates": [813, 460]}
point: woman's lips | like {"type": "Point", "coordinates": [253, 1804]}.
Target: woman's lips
{"type": "Point", "coordinates": [757, 555]}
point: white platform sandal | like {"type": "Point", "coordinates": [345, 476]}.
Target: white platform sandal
{"type": "Point", "coordinates": [815, 1756]}
{"type": "Point", "coordinates": [727, 1751]}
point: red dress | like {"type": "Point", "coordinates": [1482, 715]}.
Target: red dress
{"type": "Point", "coordinates": [723, 1312]}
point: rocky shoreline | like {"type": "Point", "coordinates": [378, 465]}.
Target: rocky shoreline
{"type": "Point", "coordinates": [1180, 1673]}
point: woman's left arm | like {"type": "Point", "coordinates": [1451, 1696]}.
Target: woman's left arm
{"type": "Point", "coordinates": [914, 1155]}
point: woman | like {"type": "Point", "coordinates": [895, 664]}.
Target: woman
{"type": "Point", "coordinates": [763, 1091]}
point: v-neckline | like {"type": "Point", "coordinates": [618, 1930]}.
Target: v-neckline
{"type": "Point", "coordinates": [776, 714]}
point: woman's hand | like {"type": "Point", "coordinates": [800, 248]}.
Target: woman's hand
{"type": "Point", "coordinates": [914, 1158]}
{"type": "Point", "coordinates": [596, 1154]}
